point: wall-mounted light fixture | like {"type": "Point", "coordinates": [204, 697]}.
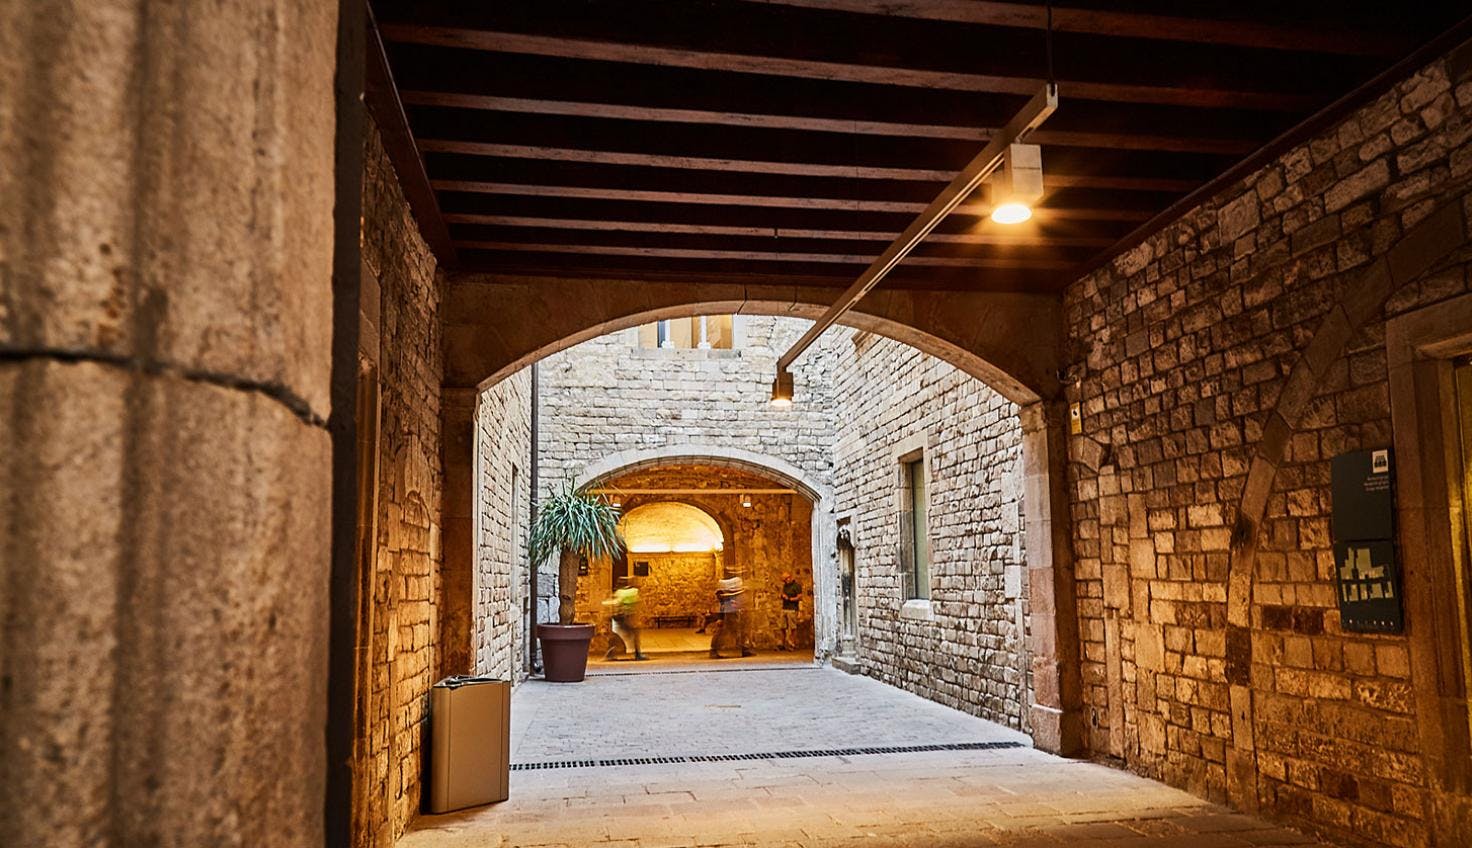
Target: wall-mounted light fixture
{"type": "Point", "coordinates": [782, 390]}
{"type": "Point", "coordinates": [746, 501]}
{"type": "Point", "coordinates": [1013, 188]}
{"type": "Point", "coordinates": [616, 500]}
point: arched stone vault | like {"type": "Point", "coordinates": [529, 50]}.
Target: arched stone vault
{"type": "Point", "coordinates": [495, 325]}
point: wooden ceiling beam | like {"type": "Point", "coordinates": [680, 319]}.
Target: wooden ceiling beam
{"type": "Point", "coordinates": [687, 163]}
{"type": "Point", "coordinates": [381, 98]}
{"type": "Point", "coordinates": [510, 265]}
{"type": "Point", "coordinates": [605, 225]}
{"type": "Point", "coordinates": [650, 196]}
{"type": "Point", "coordinates": [1196, 96]}
{"type": "Point", "coordinates": [632, 112]}
{"type": "Point", "coordinates": [763, 256]}
{"type": "Point", "coordinates": [1238, 33]}
{"type": "Point", "coordinates": [776, 179]}
{"type": "Point", "coordinates": [504, 147]}
{"type": "Point", "coordinates": [614, 111]}
{"type": "Point", "coordinates": [789, 242]}
{"type": "Point", "coordinates": [847, 205]}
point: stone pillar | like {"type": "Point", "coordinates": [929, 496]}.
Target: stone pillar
{"type": "Point", "coordinates": [1057, 708]}
{"type": "Point", "coordinates": [166, 307]}
{"type": "Point", "coordinates": [457, 571]}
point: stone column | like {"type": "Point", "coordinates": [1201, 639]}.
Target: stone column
{"type": "Point", "coordinates": [1057, 708]}
{"type": "Point", "coordinates": [166, 254]}
{"type": "Point", "coordinates": [457, 571]}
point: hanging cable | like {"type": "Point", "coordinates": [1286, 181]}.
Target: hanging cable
{"type": "Point", "coordinates": [1048, 40]}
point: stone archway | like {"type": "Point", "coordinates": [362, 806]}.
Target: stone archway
{"type": "Point", "coordinates": [1009, 341]}
{"type": "Point", "coordinates": [818, 494]}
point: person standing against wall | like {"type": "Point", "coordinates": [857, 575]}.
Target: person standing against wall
{"type": "Point", "coordinates": [791, 606]}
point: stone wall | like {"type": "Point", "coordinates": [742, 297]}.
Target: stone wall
{"type": "Point", "coordinates": [966, 648]}
{"type": "Point", "coordinates": [608, 395]}
{"type": "Point", "coordinates": [678, 584]}
{"type": "Point", "coordinates": [761, 542]}
{"type": "Point", "coordinates": [410, 491]}
{"type": "Point", "coordinates": [860, 397]}
{"type": "Point", "coordinates": [1224, 362]}
{"type": "Point", "coordinates": [503, 510]}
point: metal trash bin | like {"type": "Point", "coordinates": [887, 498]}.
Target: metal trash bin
{"type": "Point", "coordinates": [470, 742]}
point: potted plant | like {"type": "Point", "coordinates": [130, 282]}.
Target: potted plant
{"type": "Point", "coordinates": [573, 526]}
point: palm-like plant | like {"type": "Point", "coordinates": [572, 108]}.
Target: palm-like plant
{"type": "Point", "coordinates": [573, 525]}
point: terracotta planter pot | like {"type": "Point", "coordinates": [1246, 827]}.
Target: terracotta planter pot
{"type": "Point", "coordinates": [565, 651]}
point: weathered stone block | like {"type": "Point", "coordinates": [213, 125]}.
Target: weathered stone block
{"type": "Point", "coordinates": [139, 588]}
{"type": "Point", "coordinates": [116, 254]}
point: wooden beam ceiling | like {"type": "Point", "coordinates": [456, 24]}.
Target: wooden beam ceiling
{"type": "Point", "coordinates": [721, 140]}
{"type": "Point", "coordinates": [1330, 38]}
{"type": "Point", "coordinates": [1210, 94]}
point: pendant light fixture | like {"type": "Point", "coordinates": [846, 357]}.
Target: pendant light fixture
{"type": "Point", "coordinates": [1017, 167]}
{"type": "Point", "coordinates": [1013, 188]}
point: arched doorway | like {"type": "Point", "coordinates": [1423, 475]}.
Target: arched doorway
{"type": "Point", "coordinates": [1052, 710]}
{"type": "Point", "coordinates": [770, 519]}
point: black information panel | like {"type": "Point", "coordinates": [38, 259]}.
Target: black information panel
{"type": "Point", "coordinates": [1366, 575]}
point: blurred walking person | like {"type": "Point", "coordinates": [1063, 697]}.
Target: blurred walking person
{"type": "Point", "coordinates": [731, 595]}
{"type": "Point", "coordinates": [625, 603]}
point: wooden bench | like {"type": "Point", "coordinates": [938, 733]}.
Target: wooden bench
{"type": "Point", "coordinates": [675, 620]}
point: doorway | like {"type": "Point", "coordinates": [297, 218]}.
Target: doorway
{"type": "Point", "coordinates": [1462, 394]}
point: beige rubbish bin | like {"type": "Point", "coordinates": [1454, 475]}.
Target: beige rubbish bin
{"type": "Point", "coordinates": [470, 742]}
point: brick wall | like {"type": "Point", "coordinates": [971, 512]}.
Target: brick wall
{"type": "Point", "coordinates": [502, 591]}
{"type": "Point", "coordinates": [410, 491]}
{"type": "Point", "coordinates": [968, 649]}
{"type": "Point", "coordinates": [1226, 360]}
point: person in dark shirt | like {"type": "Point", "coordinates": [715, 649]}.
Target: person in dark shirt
{"type": "Point", "coordinates": [791, 606]}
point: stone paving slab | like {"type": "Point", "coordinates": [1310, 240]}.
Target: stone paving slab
{"type": "Point", "coordinates": [1013, 797]}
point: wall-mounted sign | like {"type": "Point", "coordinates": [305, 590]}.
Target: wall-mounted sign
{"type": "Point", "coordinates": [1366, 575]}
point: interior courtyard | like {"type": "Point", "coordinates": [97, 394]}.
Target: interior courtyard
{"type": "Point", "coordinates": [1019, 424]}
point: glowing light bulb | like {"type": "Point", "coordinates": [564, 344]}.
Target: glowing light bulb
{"type": "Point", "coordinates": [781, 402]}
{"type": "Point", "coordinates": [1011, 213]}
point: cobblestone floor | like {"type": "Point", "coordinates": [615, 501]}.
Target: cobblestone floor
{"type": "Point", "coordinates": [1009, 796]}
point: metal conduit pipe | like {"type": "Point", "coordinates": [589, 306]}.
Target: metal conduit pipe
{"type": "Point", "coordinates": [533, 662]}
{"type": "Point", "coordinates": [974, 174]}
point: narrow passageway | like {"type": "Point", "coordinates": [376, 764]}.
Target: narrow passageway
{"type": "Point", "coordinates": [794, 756]}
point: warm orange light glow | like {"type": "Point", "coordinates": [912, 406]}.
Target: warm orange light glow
{"type": "Point", "coordinates": [670, 527]}
{"type": "Point", "coordinates": [1011, 213]}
